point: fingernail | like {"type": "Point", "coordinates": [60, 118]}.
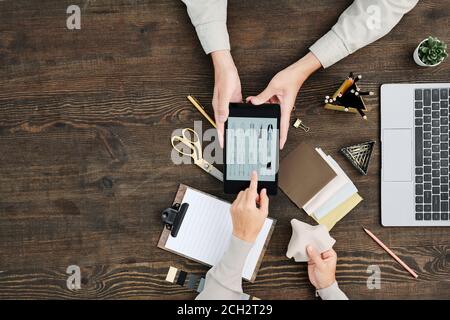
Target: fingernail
{"type": "Point", "coordinates": [309, 248]}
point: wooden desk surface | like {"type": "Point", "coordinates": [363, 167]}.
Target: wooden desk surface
{"type": "Point", "coordinates": [85, 122]}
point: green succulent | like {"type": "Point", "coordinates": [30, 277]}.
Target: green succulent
{"type": "Point", "coordinates": [432, 51]}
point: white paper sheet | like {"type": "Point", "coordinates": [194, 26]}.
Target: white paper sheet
{"type": "Point", "coordinates": [206, 231]}
{"type": "Point", "coordinates": [339, 197]}
{"type": "Point", "coordinates": [328, 191]}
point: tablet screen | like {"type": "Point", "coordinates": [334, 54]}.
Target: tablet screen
{"type": "Point", "coordinates": [251, 144]}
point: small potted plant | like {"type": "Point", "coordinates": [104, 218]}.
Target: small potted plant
{"type": "Point", "coordinates": [430, 52]}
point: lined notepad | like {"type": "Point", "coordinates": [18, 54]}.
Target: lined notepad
{"type": "Point", "coordinates": [206, 230]}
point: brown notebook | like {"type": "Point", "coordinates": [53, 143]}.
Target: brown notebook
{"type": "Point", "coordinates": [303, 173]}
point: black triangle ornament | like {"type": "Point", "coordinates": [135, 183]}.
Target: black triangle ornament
{"type": "Point", "coordinates": [359, 155]}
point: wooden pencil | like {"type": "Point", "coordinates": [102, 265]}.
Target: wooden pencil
{"type": "Point", "coordinates": [393, 255]}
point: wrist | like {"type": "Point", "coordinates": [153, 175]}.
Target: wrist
{"type": "Point", "coordinates": [306, 66]}
{"type": "Point", "coordinates": [222, 59]}
{"type": "Point", "coordinates": [241, 235]}
{"type": "Point", "coordinates": [326, 284]}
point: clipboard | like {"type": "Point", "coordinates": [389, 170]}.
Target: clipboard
{"type": "Point", "coordinates": [165, 234]}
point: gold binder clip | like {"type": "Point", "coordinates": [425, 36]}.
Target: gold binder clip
{"type": "Point", "coordinates": [299, 124]}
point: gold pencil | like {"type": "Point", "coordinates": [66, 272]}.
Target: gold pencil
{"type": "Point", "coordinates": [200, 108]}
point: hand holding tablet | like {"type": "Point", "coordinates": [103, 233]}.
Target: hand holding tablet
{"type": "Point", "coordinates": [251, 144]}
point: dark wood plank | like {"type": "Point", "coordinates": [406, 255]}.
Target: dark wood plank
{"type": "Point", "coordinates": [85, 121]}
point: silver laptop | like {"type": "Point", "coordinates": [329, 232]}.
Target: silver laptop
{"type": "Point", "coordinates": [415, 154]}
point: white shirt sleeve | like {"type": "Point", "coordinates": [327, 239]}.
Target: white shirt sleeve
{"type": "Point", "coordinates": [209, 18]}
{"type": "Point", "coordinates": [362, 23]}
{"type": "Point", "coordinates": [332, 292]}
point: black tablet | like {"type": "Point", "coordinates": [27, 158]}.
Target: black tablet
{"type": "Point", "coordinates": [251, 143]}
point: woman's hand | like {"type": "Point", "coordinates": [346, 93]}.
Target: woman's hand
{"type": "Point", "coordinates": [283, 89]}
{"type": "Point", "coordinates": [249, 211]}
{"type": "Point", "coordinates": [321, 267]}
{"type": "Point", "coordinates": [227, 88]}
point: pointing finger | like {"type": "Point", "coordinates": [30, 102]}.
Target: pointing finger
{"type": "Point", "coordinates": [254, 183]}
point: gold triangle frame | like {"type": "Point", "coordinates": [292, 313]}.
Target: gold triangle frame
{"type": "Point", "coordinates": [359, 155]}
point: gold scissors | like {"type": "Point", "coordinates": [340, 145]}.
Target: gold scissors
{"type": "Point", "coordinates": [196, 152]}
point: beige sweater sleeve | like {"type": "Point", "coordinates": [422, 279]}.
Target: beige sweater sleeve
{"type": "Point", "coordinates": [224, 281]}
{"type": "Point", "coordinates": [364, 22]}
{"type": "Point", "coordinates": [209, 18]}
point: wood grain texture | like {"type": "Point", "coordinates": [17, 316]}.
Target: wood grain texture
{"type": "Point", "coordinates": [85, 121]}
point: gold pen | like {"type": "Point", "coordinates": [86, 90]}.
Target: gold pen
{"type": "Point", "coordinates": [200, 108]}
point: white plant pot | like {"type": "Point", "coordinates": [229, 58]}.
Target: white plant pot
{"type": "Point", "coordinates": [420, 62]}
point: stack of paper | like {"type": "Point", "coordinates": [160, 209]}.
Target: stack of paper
{"type": "Point", "coordinates": [316, 183]}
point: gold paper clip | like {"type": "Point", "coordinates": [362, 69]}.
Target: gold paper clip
{"type": "Point", "coordinates": [299, 124]}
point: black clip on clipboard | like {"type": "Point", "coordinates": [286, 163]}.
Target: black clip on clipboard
{"type": "Point", "coordinates": [172, 217]}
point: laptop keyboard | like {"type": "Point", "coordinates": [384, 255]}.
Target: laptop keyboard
{"type": "Point", "coordinates": [432, 154]}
